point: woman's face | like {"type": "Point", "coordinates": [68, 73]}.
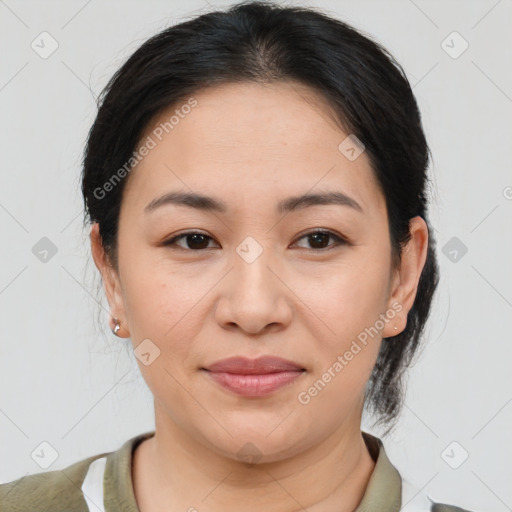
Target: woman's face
{"type": "Point", "coordinates": [256, 284]}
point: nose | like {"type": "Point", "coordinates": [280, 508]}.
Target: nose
{"type": "Point", "coordinates": [254, 297]}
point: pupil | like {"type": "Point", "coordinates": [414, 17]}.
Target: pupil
{"type": "Point", "coordinates": [316, 236]}
{"type": "Point", "coordinates": [198, 235]}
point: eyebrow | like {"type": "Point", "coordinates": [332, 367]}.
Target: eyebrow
{"type": "Point", "coordinates": [291, 204]}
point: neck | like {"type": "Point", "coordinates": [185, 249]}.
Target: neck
{"type": "Point", "coordinates": [172, 467]}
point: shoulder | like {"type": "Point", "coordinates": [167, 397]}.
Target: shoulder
{"type": "Point", "coordinates": [442, 507]}
{"type": "Point", "coordinates": [389, 490]}
{"type": "Point", "coordinates": [51, 491]}
{"type": "Point", "coordinates": [415, 500]}
{"type": "Point", "coordinates": [100, 482]}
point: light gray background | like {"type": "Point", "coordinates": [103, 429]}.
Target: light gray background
{"type": "Point", "coordinates": [68, 381]}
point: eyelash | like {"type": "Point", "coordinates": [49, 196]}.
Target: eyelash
{"type": "Point", "coordinates": [339, 241]}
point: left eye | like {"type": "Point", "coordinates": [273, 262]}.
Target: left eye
{"type": "Point", "coordinates": [199, 241]}
{"type": "Point", "coordinates": [319, 237]}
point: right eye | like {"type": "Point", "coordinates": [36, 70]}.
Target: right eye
{"type": "Point", "coordinates": [196, 241]}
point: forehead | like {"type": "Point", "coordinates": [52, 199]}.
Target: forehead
{"type": "Point", "coordinates": [250, 142]}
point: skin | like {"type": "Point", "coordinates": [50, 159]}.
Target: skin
{"type": "Point", "coordinates": [252, 145]}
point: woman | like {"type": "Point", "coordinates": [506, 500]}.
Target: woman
{"type": "Point", "coordinates": [256, 182]}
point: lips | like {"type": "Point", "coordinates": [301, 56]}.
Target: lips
{"type": "Point", "coordinates": [254, 377]}
{"type": "Point", "coordinates": [259, 366]}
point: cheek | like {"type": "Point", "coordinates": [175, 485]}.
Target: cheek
{"type": "Point", "coordinates": [154, 300]}
{"type": "Point", "coordinates": [347, 306]}
{"type": "Point", "coordinates": [168, 306]}
{"type": "Point", "coordinates": [161, 311]}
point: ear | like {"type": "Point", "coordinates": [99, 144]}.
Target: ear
{"type": "Point", "coordinates": [110, 280]}
{"type": "Point", "coordinates": [405, 281]}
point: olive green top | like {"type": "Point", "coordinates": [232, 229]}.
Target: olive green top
{"type": "Point", "coordinates": [103, 483]}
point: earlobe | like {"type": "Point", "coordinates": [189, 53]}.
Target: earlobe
{"type": "Point", "coordinates": [406, 280]}
{"type": "Point", "coordinates": [108, 275]}
{"type": "Point", "coordinates": [397, 320]}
